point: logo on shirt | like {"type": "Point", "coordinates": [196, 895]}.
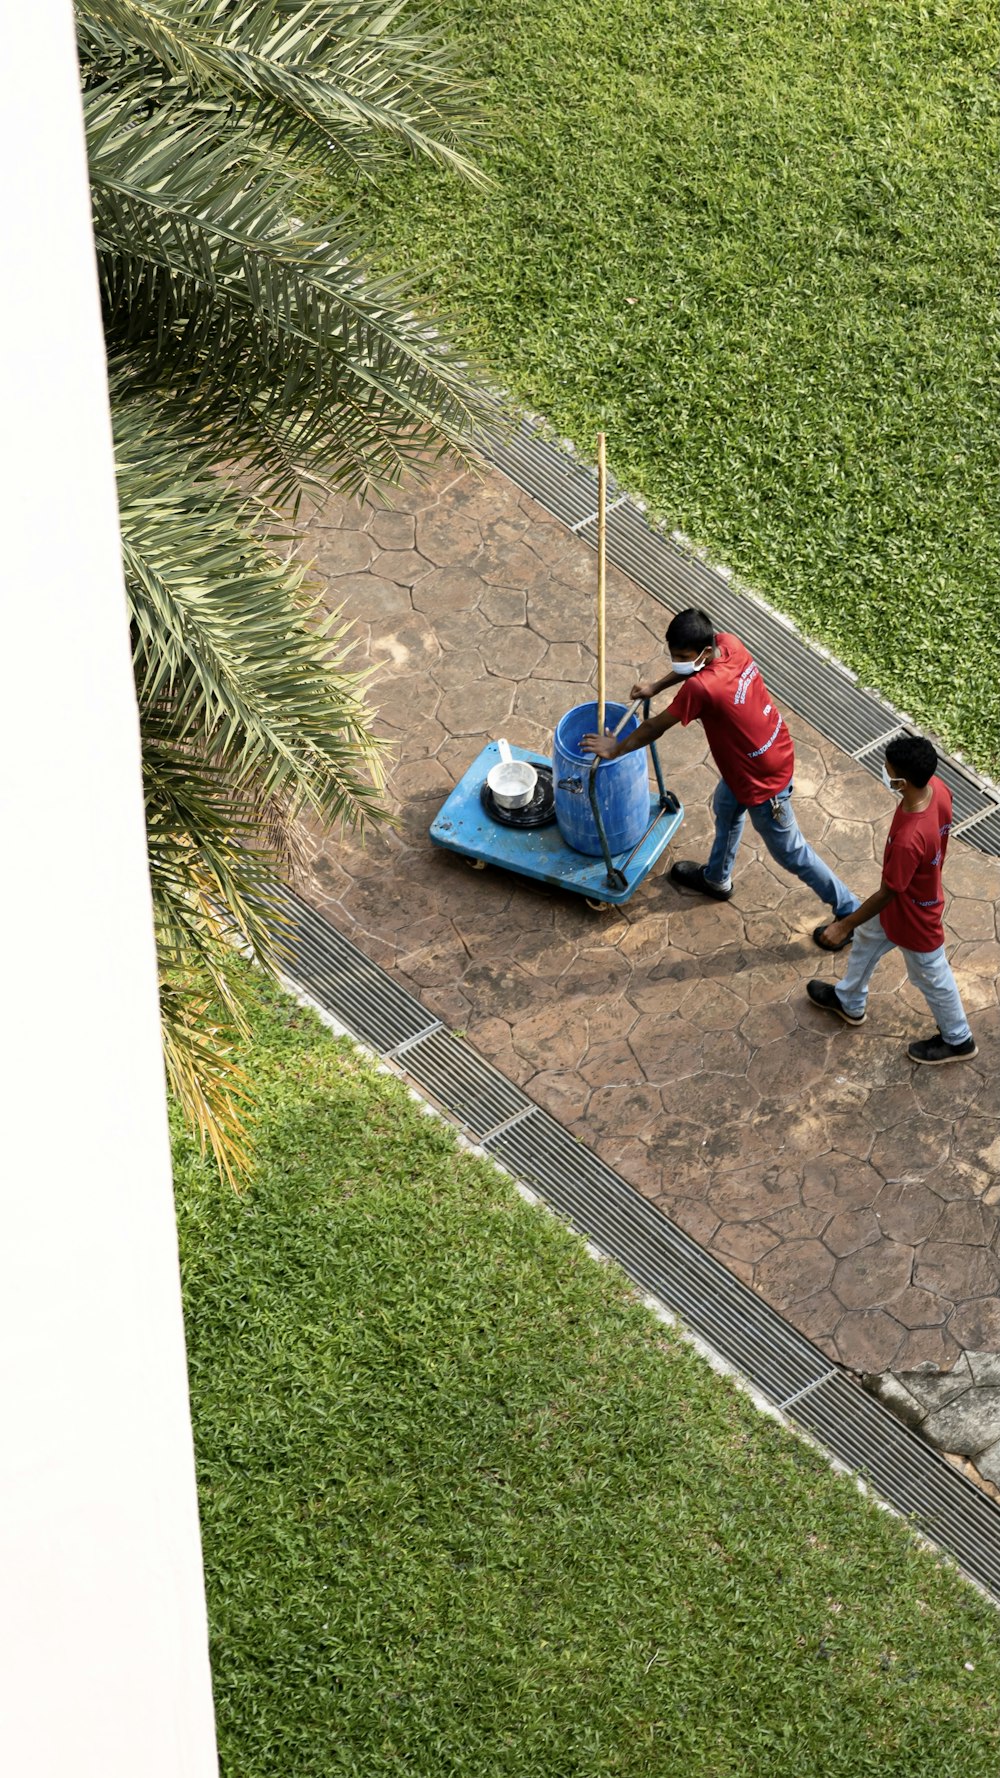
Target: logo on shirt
{"type": "Point", "coordinates": [772, 737]}
{"type": "Point", "coordinates": [744, 682]}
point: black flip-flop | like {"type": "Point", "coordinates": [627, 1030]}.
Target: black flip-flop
{"type": "Point", "coordinates": [818, 932]}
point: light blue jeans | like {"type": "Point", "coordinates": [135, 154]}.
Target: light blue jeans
{"type": "Point", "coordinates": [780, 834]}
{"type": "Point", "coordinates": [929, 971]}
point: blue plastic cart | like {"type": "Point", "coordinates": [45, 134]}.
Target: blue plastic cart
{"type": "Point", "coordinates": [464, 826]}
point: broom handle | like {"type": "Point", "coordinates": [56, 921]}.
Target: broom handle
{"type": "Point", "coordinates": [602, 479]}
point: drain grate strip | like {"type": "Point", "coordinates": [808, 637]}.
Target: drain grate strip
{"type": "Point", "coordinates": [409, 1043]}
{"type": "Point", "coordinates": [906, 1471]}
{"type": "Point", "coordinates": [509, 1123]}
{"type": "Point", "coordinates": [592, 517]}
{"type": "Point", "coordinates": [985, 835]}
{"type": "Point", "coordinates": [789, 1403]}
{"type": "Point", "coordinates": [657, 1255]}
{"type": "Point", "coordinates": [463, 1084]}
{"type": "Point", "coordinates": [345, 981]}
{"type": "Point", "coordinates": [879, 741]}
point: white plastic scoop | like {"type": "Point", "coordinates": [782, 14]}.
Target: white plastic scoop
{"type": "Point", "coordinates": [513, 781]}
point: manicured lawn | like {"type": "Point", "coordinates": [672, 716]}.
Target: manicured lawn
{"type": "Point", "coordinates": [469, 1509]}
{"type": "Point", "coordinates": [759, 242]}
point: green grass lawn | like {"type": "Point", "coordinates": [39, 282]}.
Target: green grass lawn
{"type": "Point", "coordinates": [468, 1508]}
{"type": "Point", "coordinates": [757, 241]}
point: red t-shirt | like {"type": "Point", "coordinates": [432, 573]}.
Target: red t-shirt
{"type": "Point", "coordinates": [745, 730]}
{"type": "Point", "coordinates": [914, 854]}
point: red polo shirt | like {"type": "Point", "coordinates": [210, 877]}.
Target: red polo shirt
{"type": "Point", "coordinates": [744, 728]}
{"type": "Point", "coordinates": [914, 854]}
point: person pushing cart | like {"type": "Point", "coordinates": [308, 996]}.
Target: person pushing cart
{"type": "Point", "coordinates": [721, 687]}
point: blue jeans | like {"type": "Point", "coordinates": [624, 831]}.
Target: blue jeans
{"type": "Point", "coordinates": [929, 971]}
{"type": "Point", "coordinates": [780, 834]}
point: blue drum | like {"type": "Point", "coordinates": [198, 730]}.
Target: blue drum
{"type": "Point", "coordinates": [622, 785]}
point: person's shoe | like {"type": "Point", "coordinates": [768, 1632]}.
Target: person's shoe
{"type": "Point", "coordinates": [935, 1051]}
{"type": "Point", "coordinates": [692, 877]}
{"type": "Point", "coordinates": [824, 994]}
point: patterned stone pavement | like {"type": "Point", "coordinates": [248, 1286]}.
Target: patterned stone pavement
{"type": "Point", "coordinates": [858, 1194]}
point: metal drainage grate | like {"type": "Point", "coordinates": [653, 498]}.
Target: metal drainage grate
{"type": "Point", "coordinates": [520, 450]}
{"type": "Point", "coordinates": [345, 981]}
{"type": "Point", "coordinates": [463, 1084]}
{"type": "Point", "coordinates": [985, 835]}
{"type": "Point", "coordinates": [659, 1256]}
{"type": "Point", "coordinates": [812, 685]}
{"type": "Point", "coordinates": [946, 1506]}
{"type": "Point", "coordinates": [968, 798]}
{"type": "Point", "coordinates": [786, 1367]}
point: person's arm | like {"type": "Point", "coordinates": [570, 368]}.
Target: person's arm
{"type": "Point", "coordinates": [651, 688]}
{"type": "Point", "coordinates": [838, 930]}
{"type": "Point", "coordinates": [606, 747]}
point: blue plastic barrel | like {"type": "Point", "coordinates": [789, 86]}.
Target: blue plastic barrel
{"type": "Point", "coordinates": [622, 784]}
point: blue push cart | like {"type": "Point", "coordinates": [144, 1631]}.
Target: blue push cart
{"type": "Point", "coordinates": [464, 825]}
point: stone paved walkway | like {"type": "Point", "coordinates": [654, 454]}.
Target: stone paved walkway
{"type": "Point", "coordinates": [857, 1193]}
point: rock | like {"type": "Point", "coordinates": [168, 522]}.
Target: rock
{"type": "Point", "coordinates": [896, 1396]}
{"type": "Point", "coordinates": [969, 1424]}
{"type": "Point", "coordinates": [936, 1389]}
{"type": "Point", "coordinates": [985, 1367]}
{"type": "Point", "coordinates": [988, 1463]}
{"type": "Point", "coordinates": [975, 1475]}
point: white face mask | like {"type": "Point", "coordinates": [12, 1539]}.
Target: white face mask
{"type": "Point", "coordinates": [684, 669]}
{"type": "Point", "coordinates": [889, 783]}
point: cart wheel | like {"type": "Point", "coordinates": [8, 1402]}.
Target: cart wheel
{"type": "Point", "coordinates": [476, 863]}
{"type": "Point", "coordinates": [599, 907]}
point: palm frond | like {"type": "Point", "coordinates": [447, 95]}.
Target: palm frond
{"type": "Point", "coordinates": [332, 76]}
{"type": "Point", "coordinates": [270, 332]}
{"type": "Point", "coordinates": [212, 883]}
{"type": "Point", "coordinates": [232, 638]}
{"type": "Point", "coordinates": [212, 1090]}
{"type": "Point", "coordinates": [214, 891]}
{"type": "Point", "coordinates": [238, 336]}
{"type": "Point", "coordinates": [217, 856]}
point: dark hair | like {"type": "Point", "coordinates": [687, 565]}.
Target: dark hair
{"type": "Point", "coordinates": [691, 630]}
{"type": "Point", "coordinates": [912, 758]}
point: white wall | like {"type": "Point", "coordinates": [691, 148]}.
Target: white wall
{"type": "Point", "coordinates": [103, 1656]}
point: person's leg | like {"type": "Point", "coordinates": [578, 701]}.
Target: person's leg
{"type": "Point", "coordinates": [869, 947]}
{"type": "Point", "coordinates": [931, 972]}
{"type": "Point", "coordinates": [781, 835]}
{"type": "Point", "coordinates": [730, 816]}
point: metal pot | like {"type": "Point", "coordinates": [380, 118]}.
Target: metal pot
{"type": "Point", "coordinates": [512, 782]}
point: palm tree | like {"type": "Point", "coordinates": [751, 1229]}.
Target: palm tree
{"type": "Point", "coordinates": [251, 357]}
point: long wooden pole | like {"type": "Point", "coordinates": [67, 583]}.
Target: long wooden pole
{"type": "Point", "coordinates": [602, 495]}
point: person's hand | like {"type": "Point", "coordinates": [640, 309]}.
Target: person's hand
{"type": "Point", "coordinates": [833, 935]}
{"type": "Point", "coordinates": [643, 689]}
{"type": "Point", "coordinates": [605, 746]}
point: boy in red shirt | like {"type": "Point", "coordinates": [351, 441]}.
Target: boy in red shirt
{"type": "Point", "coordinates": [906, 909]}
{"type": "Point", "coordinates": [722, 689]}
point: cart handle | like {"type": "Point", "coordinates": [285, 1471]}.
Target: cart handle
{"type": "Point", "coordinates": [615, 732]}
{"type": "Point", "coordinates": [616, 878]}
